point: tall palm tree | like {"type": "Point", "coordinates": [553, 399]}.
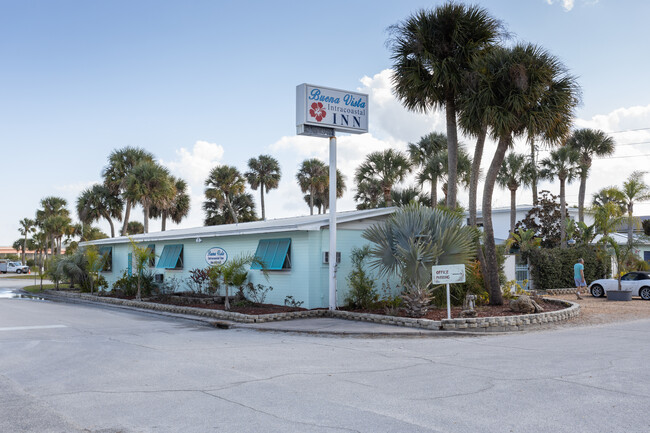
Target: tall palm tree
{"type": "Point", "coordinates": [340, 189]}
{"type": "Point", "coordinates": [98, 202]}
{"type": "Point", "coordinates": [217, 212]}
{"type": "Point", "coordinates": [388, 168]}
{"type": "Point", "coordinates": [264, 172]}
{"type": "Point", "coordinates": [432, 52]}
{"type": "Point", "coordinates": [224, 183]}
{"type": "Point", "coordinates": [116, 174]}
{"type": "Point", "coordinates": [562, 164]}
{"type": "Point", "coordinates": [313, 178]}
{"type": "Point", "coordinates": [429, 155]}
{"type": "Point", "coordinates": [463, 170]}
{"type": "Point", "coordinates": [589, 143]}
{"type": "Point", "coordinates": [134, 228]}
{"type": "Point", "coordinates": [512, 175]}
{"type": "Point", "coordinates": [522, 89]}
{"type": "Point", "coordinates": [150, 185]}
{"type": "Point", "coordinates": [177, 208]}
{"type": "Point", "coordinates": [27, 226]}
{"type": "Point", "coordinates": [52, 219]}
{"type": "Point", "coordinates": [368, 194]}
{"type": "Point", "coordinates": [634, 189]}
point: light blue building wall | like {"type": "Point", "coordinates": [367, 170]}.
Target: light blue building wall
{"type": "Point", "coordinates": [306, 280]}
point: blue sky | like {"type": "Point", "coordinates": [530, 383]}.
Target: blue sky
{"type": "Point", "coordinates": [201, 83]}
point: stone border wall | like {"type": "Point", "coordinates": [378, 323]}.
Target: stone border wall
{"type": "Point", "coordinates": [567, 291]}
{"type": "Point", "coordinates": [477, 324]}
{"type": "Point", "coordinates": [513, 323]}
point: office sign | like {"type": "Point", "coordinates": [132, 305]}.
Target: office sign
{"type": "Point", "coordinates": [448, 274]}
{"type": "Point", "coordinates": [324, 107]}
{"type": "Point", "coordinates": [216, 256]}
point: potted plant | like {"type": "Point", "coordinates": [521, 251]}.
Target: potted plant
{"type": "Point", "coordinates": [620, 253]}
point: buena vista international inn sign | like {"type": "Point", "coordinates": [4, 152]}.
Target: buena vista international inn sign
{"type": "Point", "coordinates": [337, 110]}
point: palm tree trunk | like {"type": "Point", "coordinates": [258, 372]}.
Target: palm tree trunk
{"type": "Point", "coordinates": [630, 212]}
{"type": "Point", "coordinates": [110, 222]}
{"type": "Point", "coordinates": [232, 211]}
{"type": "Point", "coordinates": [534, 173]}
{"type": "Point", "coordinates": [311, 200]}
{"type": "Point", "coordinates": [513, 209]}
{"type": "Point", "coordinates": [145, 209]}
{"type": "Point", "coordinates": [562, 213]}
{"type": "Point", "coordinates": [434, 192]}
{"type": "Point", "coordinates": [24, 247]}
{"type": "Point", "coordinates": [581, 197]}
{"type": "Point", "coordinates": [262, 201]}
{"type": "Point", "coordinates": [474, 175]}
{"type": "Point", "coordinates": [452, 152]}
{"type": "Point", "coordinates": [127, 214]}
{"type": "Point", "coordinates": [387, 198]}
{"type": "Point", "coordinates": [163, 226]}
{"type": "Point", "coordinates": [491, 263]}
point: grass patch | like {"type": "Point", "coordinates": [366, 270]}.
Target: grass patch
{"type": "Point", "coordinates": [37, 287]}
{"type": "Point", "coordinates": [22, 277]}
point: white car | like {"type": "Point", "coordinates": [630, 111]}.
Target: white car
{"type": "Point", "coordinates": [637, 282]}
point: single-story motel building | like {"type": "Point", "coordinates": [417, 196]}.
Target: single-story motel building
{"type": "Point", "coordinates": [293, 249]}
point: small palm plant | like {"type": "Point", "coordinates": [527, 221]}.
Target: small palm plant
{"type": "Point", "coordinates": [620, 253]}
{"type": "Point", "coordinates": [234, 273]}
{"type": "Point", "coordinates": [414, 239]}
{"type": "Point", "coordinates": [94, 262]}
{"type": "Point", "coordinates": [141, 258]}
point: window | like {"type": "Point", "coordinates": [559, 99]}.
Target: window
{"type": "Point", "coordinates": [171, 257]}
{"type": "Point", "coordinates": [107, 254]}
{"type": "Point", "coordinates": [274, 253]}
{"type": "Point", "coordinates": [152, 260]}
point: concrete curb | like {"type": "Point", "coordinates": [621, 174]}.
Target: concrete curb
{"type": "Point", "coordinates": [227, 319]}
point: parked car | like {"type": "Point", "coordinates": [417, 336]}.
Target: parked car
{"type": "Point", "coordinates": [637, 282]}
{"type": "Point", "coordinates": [17, 267]}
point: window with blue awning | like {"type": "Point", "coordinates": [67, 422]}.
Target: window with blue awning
{"type": "Point", "coordinates": [152, 260]}
{"type": "Point", "coordinates": [107, 254]}
{"type": "Point", "coordinates": [274, 253]}
{"type": "Point", "coordinates": [171, 257]}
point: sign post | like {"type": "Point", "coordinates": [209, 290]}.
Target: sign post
{"type": "Point", "coordinates": [448, 274]}
{"type": "Point", "coordinates": [320, 112]}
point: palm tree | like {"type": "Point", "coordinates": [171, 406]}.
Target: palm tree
{"type": "Point", "coordinates": [388, 168]}
{"type": "Point", "coordinates": [98, 202]}
{"type": "Point", "coordinates": [177, 208]}
{"type": "Point", "coordinates": [150, 185]}
{"type": "Point", "coordinates": [217, 213]}
{"type": "Point", "coordinates": [411, 194]}
{"type": "Point", "coordinates": [368, 194]}
{"type": "Point", "coordinates": [312, 177]}
{"type": "Point", "coordinates": [27, 226]}
{"type": "Point", "coordinates": [463, 170]}
{"type": "Point", "coordinates": [53, 219]}
{"type": "Point", "coordinates": [322, 199]}
{"type": "Point", "coordinates": [427, 155]}
{"type": "Point", "coordinates": [562, 164]}
{"type": "Point", "coordinates": [116, 174]}
{"type": "Point", "coordinates": [588, 143]}
{"type": "Point", "coordinates": [224, 183]}
{"type": "Point", "coordinates": [522, 89]}
{"type": "Point", "coordinates": [432, 52]}
{"type": "Point", "coordinates": [634, 189]}
{"type": "Point", "coordinates": [512, 175]}
{"type": "Point", "coordinates": [264, 172]}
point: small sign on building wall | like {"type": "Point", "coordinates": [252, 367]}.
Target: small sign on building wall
{"type": "Point", "coordinates": [216, 256]}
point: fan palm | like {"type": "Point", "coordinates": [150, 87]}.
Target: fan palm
{"type": "Point", "coordinates": [217, 212]}
{"type": "Point", "coordinates": [634, 189]}
{"type": "Point", "coordinates": [98, 202]}
{"type": "Point", "coordinates": [429, 154]}
{"type": "Point", "coordinates": [150, 185]}
{"type": "Point", "coordinates": [53, 218]}
{"type": "Point", "coordinates": [387, 168]}
{"type": "Point", "coordinates": [588, 143]}
{"type": "Point", "coordinates": [223, 184]}
{"type": "Point", "coordinates": [562, 164]}
{"type": "Point", "coordinates": [27, 226]}
{"type": "Point", "coordinates": [368, 194]}
{"type": "Point", "coordinates": [432, 52]}
{"type": "Point", "coordinates": [312, 178]}
{"type": "Point", "coordinates": [177, 208]}
{"type": "Point", "coordinates": [322, 199]}
{"type": "Point", "coordinates": [512, 175]}
{"type": "Point", "coordinates": [523, 89]}
{"type": "Point", "coordinates": [116, 175]}
{"type": "Point", "coordinates": [264, 172]}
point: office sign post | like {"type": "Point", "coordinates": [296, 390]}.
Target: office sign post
{"type": "Point", "coordinates": [320, 112]}
{"type": "Point", "coordinates": [448, 274]}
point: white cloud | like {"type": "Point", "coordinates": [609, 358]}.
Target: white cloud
{"type": "Point", "coordinates": [566, 4]}
{"type": "Point", "coordinates": [195, 165]}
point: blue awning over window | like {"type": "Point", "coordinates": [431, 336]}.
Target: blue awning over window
{"type": "Point", "coordinates": [273, 252]}
{"type": "Point", "coordinates": [169, 257]}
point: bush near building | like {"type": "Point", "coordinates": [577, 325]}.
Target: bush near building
{"type": "Point", "coordinates": [552, 268]}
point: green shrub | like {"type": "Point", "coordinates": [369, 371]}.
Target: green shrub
{"type": "Point", "coordinates": [362, 292]}
{"type": "Point", "coordinates": [127, 285]}
{"type": "Point", "coordinates": [552, 268]}
{"type": "Point", "coordinates": [30, 263]}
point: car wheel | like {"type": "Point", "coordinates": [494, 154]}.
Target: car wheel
{"type": "Point", "coordinates": [597, 291]}
{"type": "Point", "coordinates": [18, 271]}
{"type": "Point", "coordinates": [644, 292]}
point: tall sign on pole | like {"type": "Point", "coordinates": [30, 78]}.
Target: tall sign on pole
{"type": "Point", "coordinates": [321, 112]}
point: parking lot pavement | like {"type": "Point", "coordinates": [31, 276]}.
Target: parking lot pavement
{"type": "Point", "coordinates": [85, 368]}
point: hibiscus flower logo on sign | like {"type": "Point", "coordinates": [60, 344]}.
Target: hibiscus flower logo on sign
{"type": "Point", "coordinates": [317, 111]}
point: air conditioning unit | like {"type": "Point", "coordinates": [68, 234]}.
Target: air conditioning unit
{"type": "Point", "coordinates": [159, 278]}
{"type": "Point", "coordinates": [326, 257]}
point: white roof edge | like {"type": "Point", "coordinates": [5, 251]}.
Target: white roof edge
{"type": "Point", "coordinates": [302, 223]}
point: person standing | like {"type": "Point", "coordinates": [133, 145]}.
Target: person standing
{"type": "Point", "coordinates": [579, 276]}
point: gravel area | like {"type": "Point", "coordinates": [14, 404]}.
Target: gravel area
{"type": "Point", "coordinates": [596, 311]}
